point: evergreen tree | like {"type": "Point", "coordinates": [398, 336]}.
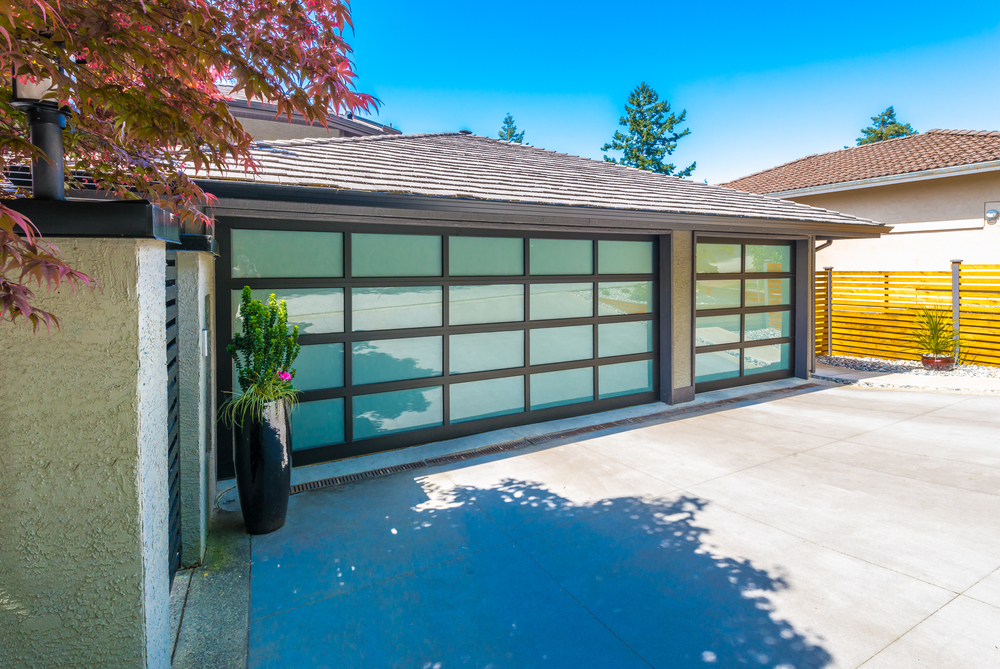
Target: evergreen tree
{"type": "Point", "coordinates": [509, 132]}
{"type": "Point", "coordinates": [651, 135]}
{"type": "Point", "coordinates": [885, 126]}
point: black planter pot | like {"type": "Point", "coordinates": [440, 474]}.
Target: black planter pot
{"type": "Point", "coordinates": [264, 468]}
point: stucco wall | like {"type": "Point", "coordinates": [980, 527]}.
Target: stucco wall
{"type": "Point", "coordinates": [83, 566]}
{"type": "Point", "coordinates": [682, 250]}
{"type": "Point", "coordinates": [262, 130]}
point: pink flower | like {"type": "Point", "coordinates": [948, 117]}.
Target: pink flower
{"type": "Point", "coordinates": [285, 376]}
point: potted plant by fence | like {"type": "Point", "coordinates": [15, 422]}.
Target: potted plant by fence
{"type": "Point", "coordinates": [934, 339]}
{"type": "Point", "coordinates": [262, 356]}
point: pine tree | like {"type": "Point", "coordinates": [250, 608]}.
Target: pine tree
{"type": "Point", "coordinates": [509, 132]}
{"type": "Point", "coordinates": [885, 126]}
{"type": "Point", "coordinates": [651, 136]}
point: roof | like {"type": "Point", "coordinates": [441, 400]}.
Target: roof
{"type": "Point", "coordinates": [463, 165]}
{"type": "Point", "coordinates": [934, 149]}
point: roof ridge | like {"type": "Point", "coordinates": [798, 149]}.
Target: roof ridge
{"type": "Point", "coordinates": [967, 133]}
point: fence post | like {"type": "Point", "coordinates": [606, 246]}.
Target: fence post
{"type": "Point", "coordinates": [829, 310]}
{"type": "Point", "coordinates": [956, 311]}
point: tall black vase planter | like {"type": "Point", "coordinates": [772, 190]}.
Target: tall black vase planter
{"type": "Point", "coordinates": [264, 468]}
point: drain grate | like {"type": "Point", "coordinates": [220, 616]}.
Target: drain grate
{"type": "Point", "coordinates": [516, 444]}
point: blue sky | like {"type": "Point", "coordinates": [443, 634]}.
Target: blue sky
{"type": "Point", "coordinates": [762, 84]}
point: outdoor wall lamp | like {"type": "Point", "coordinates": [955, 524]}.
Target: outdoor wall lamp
{"type": "Point", "coordinates": [46, 121]}
{"type": "Point", "coordinates": [991, 216]}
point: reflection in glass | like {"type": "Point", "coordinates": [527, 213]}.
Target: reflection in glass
{"type": "Point", "coordinates": [767, 292]}
{"type": "Point", "coordinates": [561, 300]}
{"type": "Point", "coordinates": [485, 304]}
{"type": "Point", "coordinates": [319, 366]}
{"type": "Point", "coordinates": [482, 351]}
{"type": "Point", "coordinates": [485, 256]}
{"type": "Point", "coordinates": [395, 255]}
{"type": "Point", "coordinates": [561, 256]}
{"type": "Point", "coordinates": [317, 423]}
{"type": "Point", "coordinates": [287, 253]}
{"type": "Point", "coordinates": [395, 359]}
{"type": "Point", "coordinates": [710, 330]}
{"type": "Point", "coordinates": [768, 325]}
{"type": "Point", "coordinates": [624, 338]}
{"type": "Point", "coordinates": [717, 294]}
{"type": "Point", "coordinates": [394, 308]}
{"type": "Point", "coordinates": [314, 310]}
{"type": "Point", "coordinates": [614, 257]}
{"type": "Point", "coordinates": [625, 378]}
{"type": "Point", "coordinates": [553, 389]}
{"type": "Point", "coordinates": [624, 297]}
{"type": "Point", "coordinates": [768, 258]}
{"type": "Point", "coordinates": [485, 399]}
{"type": "Point", "coordinates": [760, 359]}
{"type": "Point", "coordinates": [716, 365]}
{"type": "Point", "coordinates": [398, 411]}
{"type": "Point", "coordinates": [719, 258]}
{"type": "Point", "coordinates": [549, 345]}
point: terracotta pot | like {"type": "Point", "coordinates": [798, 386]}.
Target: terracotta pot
{"type": "Point", "coordinates": [264, 468]}
{"type": "Point", "coordinates": [938, 363]}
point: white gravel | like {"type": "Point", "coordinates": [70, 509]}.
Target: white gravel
{"type": "Point", "coordinates": [906, 367]}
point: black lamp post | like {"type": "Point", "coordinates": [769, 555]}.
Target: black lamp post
{"type": "Point", "coordinates": [46, 121]}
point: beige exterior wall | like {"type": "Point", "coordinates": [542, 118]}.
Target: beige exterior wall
{"type": "Point", "coordinates": [682, 250]}
{"type": "Point", "coordinates": [83, 447]}
{"type": "Point", "coordinates": [280, 129]}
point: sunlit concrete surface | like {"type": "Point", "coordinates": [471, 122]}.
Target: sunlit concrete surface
{"type": "Point", "coordinates": [837, 527]}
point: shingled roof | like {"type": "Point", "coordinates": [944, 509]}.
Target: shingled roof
{"type": "Point", "coordinates": [462, 165]}
{"type": "Point", "coordinates": [934, 149]}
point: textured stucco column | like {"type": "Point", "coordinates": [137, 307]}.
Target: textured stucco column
{"type": "Point", "coordinates": [83, 459]}
{"type": "Point", "coordinates": [196, 341]}
{"type": "Point", "coordinates": [676, 313]}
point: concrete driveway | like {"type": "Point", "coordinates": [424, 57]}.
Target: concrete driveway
{"type": "Point", "coordinates": [835, 527]}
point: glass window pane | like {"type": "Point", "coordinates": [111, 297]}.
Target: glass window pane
{"type": "Point", "coordinates": [562, 256]}
{"type": "Point", "coordinates": [319, 366]}
{"type": "Point", "coordinates": [395, 255]}
{"type": "Point", "coordinates": [625, 378]}
{"type": "Point", "coordinates": [624, 297]}
{"type": "Point", "coordinates": [482, 351]}
{"type": "Point", "coordinates": [317, 423]}
{"type": "Point", "coordinates": [553, 389]}
{"type": "Point", "coordinates": [485, 304]}
{"type": "Point", "coordinates": [769, 325]}
{"type": "Point", "coordinates": [484, 399]}
{"type": "Point", "coordinates": [624, 257]}
{"type": "Point", "coordinates": [314, 310]}
{"type": "Point", "coordinates": [759, 359]}
{"type": "Point", "coordinates": [289, 253]}
{"type": "Point", "coordinates": [561, 300]}
{"type": "Point", "coordinates": [717, 294]}
{"type": "Point", "coordinates": [769, 258]}
{"type": "Point", "coordinates": [716, 365]}
{"type": "Point", "coordinates": [624, 338]}
{"type": "Point", "coordinates": [394, 308]}
{"type": "Point", "coordinates": [398, 411]}
{"type": "Point", "coordinates": [395, 359]}
{"type": "Point", "coordinates": [710, 330]}
{"type": "Point", "coordinates": [719, 258]}
{"type": "Point", "coordinates": [550, 345]}
{"type": "Point", "coordinates": [767, 292]}
{"type": "Point", "coordinates": [485, 256]}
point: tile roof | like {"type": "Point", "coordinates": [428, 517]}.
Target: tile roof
{"type": "Point", "coordinates": [462, 165]}
{"type": "Point", "coordinates": [933, 149]}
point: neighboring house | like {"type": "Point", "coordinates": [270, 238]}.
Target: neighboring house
{"type": "Point", "coordinates": [933, 188]}
{"type": "Point", "coordinates": [449, 284]}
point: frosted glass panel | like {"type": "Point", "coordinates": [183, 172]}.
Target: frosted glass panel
{"type": "Point", "coordinates": [716, 365]}
{"type": "Point", "coordinates": [395, 255]}
{"type": "Point", "coordinates": [485, 304]}
{"type": "Point", "coordinates": [624, 338]}
{"type": "Point", "coordinates": [717, 294]}
{"type": "Point", "coordinates": [759, 359]}
{"type": "Point", "coordinates": [624, 297]}
{"type": "Point", "coordinates": [624, 257]}
{"type": "Point", "coordinates": [767, 258]}
{"type": "Point", "coordinates": [561, 300]}
{"type": "Point", "coordinates": [482, 351]}
{"type": "Point", "coordinates": [484, 399]}
{"type": "Point", "coordinates": [562, 256]}
{"type": "Point", "coordinates": [394, 308]}
{"type": "Point", "coordinates": [770, 325]}
{"type": "Point", "coordinates": [719, 258]}
{"type": "Point", "coordinates": [767, 292]}
{"type": "Point", "coordinates": [287, 253]}
{"type": "Point", "coordinates": [317, 423]}
{"type": "Point", "coordinates": [550, 345]}
{"type": "Point", "coordinates": [710, 330]}
{"type": "Point", "coordinates": [485, 256]}
{"type": "Point", "coordinates": [319, 366]}
{"type": "Point", "coordinates": [314, 310]}
{"type": "Point", "coordinates": [552, 389]}
{"type": "Point", "coordinates": [625, 378]}
{"type": "Point", "coordinates": [395, 359]}
{"type": "Point", "coordinates": [399, 411]}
